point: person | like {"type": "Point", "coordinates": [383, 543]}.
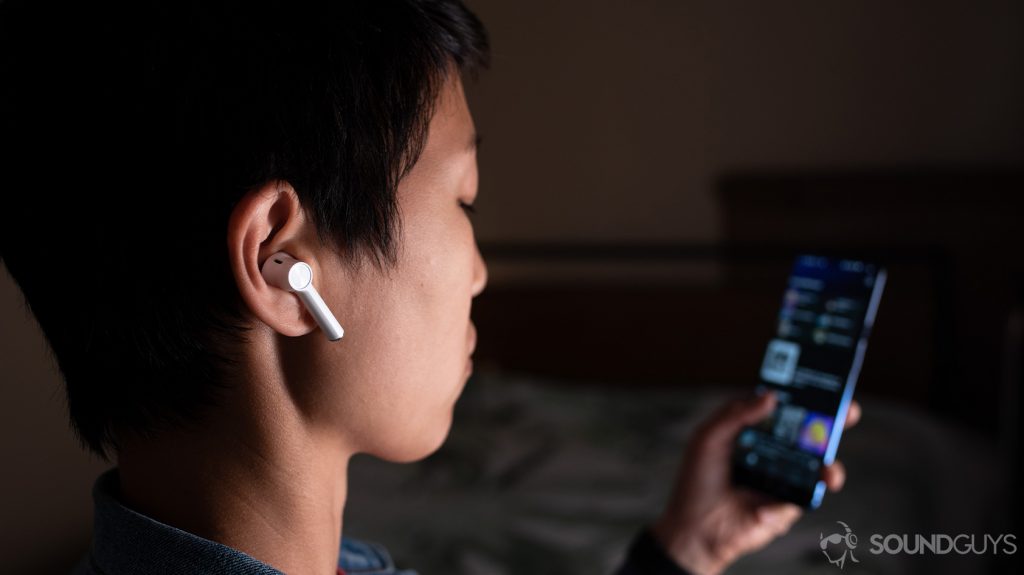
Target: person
{"type": "Point", "coordinates": [164, 151]}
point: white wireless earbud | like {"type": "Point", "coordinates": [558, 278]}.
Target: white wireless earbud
{"type": "Point", "coordinates": [283, 271]}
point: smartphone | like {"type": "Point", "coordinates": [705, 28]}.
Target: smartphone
{"type": "Point", "coordinates": [812, 364]}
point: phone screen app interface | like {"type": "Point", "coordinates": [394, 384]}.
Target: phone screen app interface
{"type": "Point", "coordinates": [807, 362]}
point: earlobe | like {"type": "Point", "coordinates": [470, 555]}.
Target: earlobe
{"type": "Point", "coordinates": [267, 220]}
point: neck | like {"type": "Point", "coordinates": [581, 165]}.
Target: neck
{"type": "Point", "coordinates": [266, 486]}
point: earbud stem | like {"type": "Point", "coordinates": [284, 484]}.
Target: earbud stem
{"type": "Point", "coordinates": [316, 306]}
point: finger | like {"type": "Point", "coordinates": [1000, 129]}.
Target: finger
{"type": "Point", "coordinates": [834, 476]}
{"type": "Point", "coordinates": [779, 515]}
{"type": "Point", "coordinates": [852, 415]}
{"type": "Point", "coordinates": [729, 420]}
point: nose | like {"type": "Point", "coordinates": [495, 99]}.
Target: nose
{"type": "Point", "coordinates": [479, 271]}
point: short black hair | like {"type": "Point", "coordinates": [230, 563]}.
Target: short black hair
{"type": "Point", "coordinates": [130, 131]}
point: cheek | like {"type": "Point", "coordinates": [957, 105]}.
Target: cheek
{"type": "Point", "coordinates": [439, 316]}
{"type": "Point", "coordinates": [430, 355]}
{"type": "Point", "coordinates": [443, 285]}
{"type": "Point", "coordinates": [404, 394]}
{"type": "Point", "coordinates": [405, 366]}
{"type": "Point", "coordinates": [405, 363]}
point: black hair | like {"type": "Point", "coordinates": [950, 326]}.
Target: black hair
{"type": "Point", "coordinates": [131, 129]}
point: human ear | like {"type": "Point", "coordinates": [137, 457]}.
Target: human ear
{"type": "Point", "coordinates": [265, 221]}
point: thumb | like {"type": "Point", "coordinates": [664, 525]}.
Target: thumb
{"type": "Point", "coordinates": [734, 416]}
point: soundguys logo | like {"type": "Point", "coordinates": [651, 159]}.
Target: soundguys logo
{"type": "Point", "coordinates": [846, 541]}
{"type": "Point", "coordinates": [837, 547]}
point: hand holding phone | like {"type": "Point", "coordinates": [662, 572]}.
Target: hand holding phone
{"type": "Point", "coordinates": [811, 365]}
{"type": "Point", "coordinates": [709, 522]}
{"type": "Point", "coordinates": [712, 518]}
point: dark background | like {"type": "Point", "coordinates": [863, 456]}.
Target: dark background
{"type": "Point", "coordinates": [648, 171]}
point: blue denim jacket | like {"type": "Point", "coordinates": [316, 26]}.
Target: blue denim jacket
{"type": "Point", "coordinates": [126, 542]}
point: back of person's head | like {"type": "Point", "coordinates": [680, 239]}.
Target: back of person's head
{"type": "Point", "coordinates": [131, 129]}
